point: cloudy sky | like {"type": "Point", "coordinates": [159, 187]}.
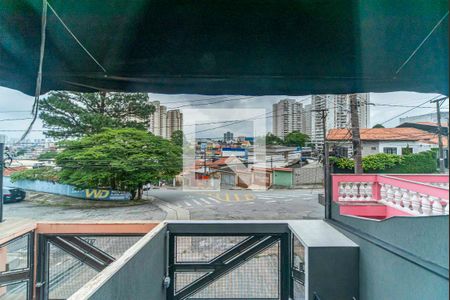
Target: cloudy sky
{"type": "Point", "coordinates": [15, 110]}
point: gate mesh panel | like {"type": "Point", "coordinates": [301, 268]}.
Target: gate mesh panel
{"type": "Point", "coordinates": [112, 245]}
{"type": "Point", "coordinates": [299, 255]}
{"type": "Point", "coordinates": [182, 279]}
{"type": "Point", "coordinates": [203, 248]}
{"type": "Point", "coordinates": [66, 274]}
{"type": "Point", "coordinates": [257, 278]}
{"type": "Point", "coordinates": [14, 291]}
{"type": "Point", "coordinates": [16, 254]}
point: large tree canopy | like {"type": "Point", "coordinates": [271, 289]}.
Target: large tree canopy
{"type": "Point", "coordinates": [121, 159]}
{"type": "Point", "coordinates": [296, 139]}
{"type": "Point", "coordinates": [68, 114]}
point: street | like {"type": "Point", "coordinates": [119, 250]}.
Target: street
{"type": "Point", "coordinates": [229, 204]}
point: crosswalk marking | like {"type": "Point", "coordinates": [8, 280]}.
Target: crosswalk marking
{"type": "Point", "coordinates": [213, 199]}
{"type": "Point", "coordinates": [187, 203]}
{"type": "Point", "coordinates": [196, 202]}
{"type": "Point", "coordinates": [204, 200]}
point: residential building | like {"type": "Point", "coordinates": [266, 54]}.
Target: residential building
{"type": "Point", "coordinates": [337, 113]}
{"type": "Point", "coordinates": [163, 122]}
{"type": "Point", "coordinates": [287, 117]}
{"type": "Point", "coordinates": [431, 117]}
{"type": "Point", "coordinates": [386, 140]}
{"type": "Point", "coordinates": [174, 121]}
{"type": "Point", "coordinates": [157, 122]}
{"type": "Point", "coordinates": [307, 119]}
{"type": "Point", "coordinates": [430, 127]}
{"type": "Point", "coordinates": [227, 136]}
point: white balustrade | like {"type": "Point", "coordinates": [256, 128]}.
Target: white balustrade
{"type": "Point", "coordinates": [355, 191]}
{"type": "Point", "coordinates": [426, 204]}
{"type": "Point", "coordinates": [436, 207]}
{"type": "Point", "coordinates": [406, 200]}
{"type": "Point", "coordinates": [402, 198]}
{"type": "Point", "coordinates": [415, 202]}
{"type": "Point", "coordinates": [397, 196]}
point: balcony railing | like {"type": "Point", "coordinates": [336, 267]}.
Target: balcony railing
{"type": "Point", "coordinates": [368, 194]}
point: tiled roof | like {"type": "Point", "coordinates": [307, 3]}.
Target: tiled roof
{"type": "Point", "coordinates": [385, 134]}
{"type": "Point", "coordinates": [10, 170]}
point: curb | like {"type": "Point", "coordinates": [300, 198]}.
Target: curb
{"type": "Point", "coordinates": [173, 212]}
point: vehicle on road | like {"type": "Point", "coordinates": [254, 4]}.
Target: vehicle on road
{"type": "Point", "coordinates": [11, 194]}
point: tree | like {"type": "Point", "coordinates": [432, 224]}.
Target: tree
{"type": "Point", "coordinates": [121, 159]}
{"type": "Point", "coordinates": [378, 126]}
{"type": "Point", "coordinates": [296, 139]}
{"type": "Point", "coordinates": [177, 138]}
{"type": "Point", "coordinates": [48, 155]}
{"type": "Point", "coordinates": [70, 114]}
{"type": "Point", "coordinates": [272, 139]}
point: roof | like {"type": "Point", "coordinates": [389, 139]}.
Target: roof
{"type": "Point", "coordinates": [385, 134]}
{"type": "Point", "coordinates": [432, 124]}
{"type": "Point", "coordinates": [227, 47]}
{"type": "Point", "coordinates": [10, 170]}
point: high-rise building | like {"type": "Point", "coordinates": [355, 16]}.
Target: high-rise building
{"type": "Point", "coordinates": [174, 122]}
{"type": "Point", "coordinates": [287, 116]}
{"type": "Point", "coordinates": [227, 136]}
{"type": "Point", "coordinates": [338, 113]}
{"type": "Point", "coordinates": [163, 123]}
{"type": "Point", "coordinates": [307, 119]}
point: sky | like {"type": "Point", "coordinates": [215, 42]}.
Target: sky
{"type": "Point", "coordinates": [16, 105]}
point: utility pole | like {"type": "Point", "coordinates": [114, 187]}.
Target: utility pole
{"type": "Point", "coordinates": [441, 146]}
{"type": "Point", "coordinates": [356, 137]}
{"type": "Point", "coordinates": [2, 148]}
{"type": "Point", "coordinates": [326, 163]}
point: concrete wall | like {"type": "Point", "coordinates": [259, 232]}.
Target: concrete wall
{"type": "Point", "coordinates": [67, 190]}
{"type": "Point", "coordinates": [138, 276]}
{"type": "Point", "coordinates": [400, 257]}
{"type": "Point", "coordinates": [309, 174]}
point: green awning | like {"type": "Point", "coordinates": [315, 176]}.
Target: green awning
{"type": "Point", "coordinates": [252, 47]}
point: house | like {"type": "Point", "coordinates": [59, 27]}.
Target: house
{"type": "Point", "coordinates": [385, 140]}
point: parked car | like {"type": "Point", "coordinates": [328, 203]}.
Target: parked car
{"type": "Point", "coordinates": [11, 194]}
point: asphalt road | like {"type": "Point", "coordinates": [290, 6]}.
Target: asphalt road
{"type": "Point", "coordinates": [224, 205]}
{"type": "Point", "coordinates": [243, 204]}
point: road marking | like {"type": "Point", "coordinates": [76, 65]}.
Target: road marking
{"type": "Point", "coordinates": [249, 197]}
{"type": "Point", "coordinates": [286, 200]}
{"type": "Point", "coordinates": [187, 203]}
{"type": "Point", "coordinates": [236, 197]}
{"type": "Point", "coordinates": [196, 202]}
{"type": "Point", "coordinates": [271, 201]}
{"type": "Point", "coordinates": [213, 199]}
{"type": "Point", "coordinates": [204, 200]}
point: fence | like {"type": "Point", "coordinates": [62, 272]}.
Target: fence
{"type": "Point", "coordinates": [68, 190]}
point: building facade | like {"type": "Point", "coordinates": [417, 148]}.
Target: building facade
{"type": "Point", "coordinates": [431, 117]}
{"type": "Point", "coordinates": [228, 136]}
{"type": "Point", "coordinates": [174, 122]}
{"type": "Point", "coordinates": [287, 117]}
{"type": "Point", "coordinates": [337, 113]}
{"type": "Point", "coordinates": [163, 122]}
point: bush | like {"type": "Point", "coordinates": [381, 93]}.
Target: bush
{"type": "Point", "coordinates": [45, 173]}
{"type": "Point", "coordinates": [423, 162]}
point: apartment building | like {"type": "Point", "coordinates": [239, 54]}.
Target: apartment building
{"type": "Point", "coordinates": [287, 117]}
{"type": "Point", "coordinates": [337, 113]}
{"type": "Point", "coordinates": [163, 122]}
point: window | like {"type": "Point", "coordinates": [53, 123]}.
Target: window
{"type": "Point", "coordinates": [390, 150]}
{"type": "Point", "coordinates": [373, 148]}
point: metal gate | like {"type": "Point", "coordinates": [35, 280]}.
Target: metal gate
{"type": "Point", "coordinates": [229, 266]}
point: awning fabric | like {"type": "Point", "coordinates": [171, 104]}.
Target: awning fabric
{"type": "Point", "coordinates": [250, 47]}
